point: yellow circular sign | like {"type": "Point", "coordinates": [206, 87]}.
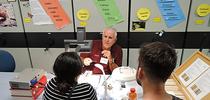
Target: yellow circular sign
{"type": "Point", "coordinates": [143, 13]}
{"type": "Point", "coordinates": [203, 10]}
{"type": "Point", "coordinates": [83, 14]}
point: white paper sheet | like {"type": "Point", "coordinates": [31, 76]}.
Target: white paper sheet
{"type": "Point", "coordinates": [40, 17]}
{"type": "Point", "coordinates": [200, 87]}
{"type": "Point", "coordinates": [193, 71]}
{"type": "Point", "coordinates": [87, 77]}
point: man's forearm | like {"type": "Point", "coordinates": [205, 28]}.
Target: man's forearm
{"type": "Point", "coordinates": [112, 66]}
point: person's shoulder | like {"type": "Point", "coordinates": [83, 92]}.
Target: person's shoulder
{"type": "Point", "coordinates": [97, 41]}
{"type": "Point", "coordinates": [97, 44]}
{"type": "Point", "coordinates": [85, 84]}
{"type": "Point", "coordinates": [117, 47]}
{"type": "Point", "coordinates": [53, 80]}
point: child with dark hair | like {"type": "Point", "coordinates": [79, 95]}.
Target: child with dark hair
{"type": "Point", "coordinates": [67, 68]}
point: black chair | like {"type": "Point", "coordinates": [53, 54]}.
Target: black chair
{"type": "Point", "coordinates": [7, 62]}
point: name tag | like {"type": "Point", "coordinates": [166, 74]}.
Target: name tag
{"type": "Point", "coordinates": [104, 60]}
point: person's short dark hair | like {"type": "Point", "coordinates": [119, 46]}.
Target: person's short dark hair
{"type": "Point", "coordinates": [67, 67]}
{"type": "Point", "coordinates": [158, 60]}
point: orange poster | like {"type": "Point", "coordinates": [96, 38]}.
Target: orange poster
{"type": "Point", "coordinates": [56, 12]}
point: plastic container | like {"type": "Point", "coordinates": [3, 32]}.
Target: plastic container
{"type": "Point", "coordinates": [132, 95]}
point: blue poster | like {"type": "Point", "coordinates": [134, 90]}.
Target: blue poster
{"type": "Point", "coordinates": [171, 12]}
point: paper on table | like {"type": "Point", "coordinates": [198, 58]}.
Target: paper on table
{"type": "Point", "coordinates": [87, 77]}
{"type": "Point", "coordinates": [40, 17]}
{"type": "Point", "coordinates": [200, 87]}
{"type": "Point", "coordinates": [193, 71]}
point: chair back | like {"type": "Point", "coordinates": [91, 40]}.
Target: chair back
{"type": "Point", "coordinates": [7, 62]}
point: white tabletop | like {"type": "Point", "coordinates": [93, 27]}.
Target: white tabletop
{"type": "Point", "coordinates": [5, 77]}
{"type": "Point", "coordinates": [116, 93]}
{"type": "Point", "coordinates": [4, 85]}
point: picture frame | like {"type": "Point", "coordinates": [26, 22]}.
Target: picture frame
{"type": "Point", "coordinates": [188, 76]}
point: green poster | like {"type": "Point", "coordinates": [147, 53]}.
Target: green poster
{"type": "Point", "coordinates": [109, 11]}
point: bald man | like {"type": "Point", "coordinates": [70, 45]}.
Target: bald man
{"type": "Point", "coordinates": [106, 52]}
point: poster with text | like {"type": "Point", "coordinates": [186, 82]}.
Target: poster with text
{"type": "Point", "coordinates": [109, 11]}
{"type": "Point", "coordinates": [171, 12]}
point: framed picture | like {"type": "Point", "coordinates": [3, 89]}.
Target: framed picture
{"type": "Point", "coordinates": [193, 77]}
{"type": "Point", "coordinates": [138, 25]}
{"type": "Point", "coordinates": [7, 15]}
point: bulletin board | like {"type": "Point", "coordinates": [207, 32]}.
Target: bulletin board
{"type": "Point", "coordinates": [95, 22]}
{"type": "Point", "coordinates": [201, 22]}
{"type": "Point", "coordinates": [156, 22]}
{"type": "Point", "coordinates": [31, 27]}
{"type": "Point", "coordinates": [13, 22]}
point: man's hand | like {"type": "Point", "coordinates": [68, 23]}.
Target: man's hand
{"type": "Point", "coordinates": [87, 61]}
{"type": "Point", "coordinates": [107, 54]}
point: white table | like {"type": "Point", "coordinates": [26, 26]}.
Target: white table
{"type": "Point", "coordinates": [116, 93]}
{"type": "Point", "coordinates": [95, 80]}
{"type": "Point", "coordinates": [5, 77]}
{"type": "Point", "coordinates": [4, 85]}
